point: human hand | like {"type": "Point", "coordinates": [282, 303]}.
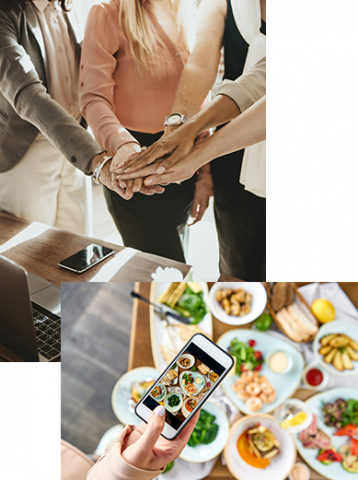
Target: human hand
{"type": "Point", "coordinates": [200, 204]}
{"type": "Point", "coordinates": [105, 177]}
{"type": "Point", "coordinates": [173, 146]}
{"type": "Point", "coordinates": [128, 188]}
{"type": "Point", "coordinates": [145, 448]}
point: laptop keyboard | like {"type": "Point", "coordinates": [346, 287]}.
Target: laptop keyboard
{"type": "Point", "coordinates": [48, 334]}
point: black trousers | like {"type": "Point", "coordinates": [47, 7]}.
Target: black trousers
{"type": "Point", "coordinates": [240, 221]}
{"type": "Point", "coordinates": [154, 224]}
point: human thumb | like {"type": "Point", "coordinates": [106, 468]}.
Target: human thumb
{"type": "Point", "coordinates": [154, 429]}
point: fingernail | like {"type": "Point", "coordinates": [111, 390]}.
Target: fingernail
{"type": "Point", "coordinates": [161, 170]}
{"type": "Point", "coordinates": [126, 170]}
{"type": "Point", "coordinates": [123, 184]}
{"type": "Point", "coordinates": [149, 181]}
{"type": "Point", "coordinates": [160, 411]}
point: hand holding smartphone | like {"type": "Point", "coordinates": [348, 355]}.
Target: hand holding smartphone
{"type": "Point", "coordinates": [186, 384]}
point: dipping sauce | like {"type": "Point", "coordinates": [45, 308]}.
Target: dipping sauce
{"type": "Point", "coordinates": [278, 362]}
{"type": "Point", "coordinates": [299, 472]}
{"type": "Point", "coordinates": [314, 377]}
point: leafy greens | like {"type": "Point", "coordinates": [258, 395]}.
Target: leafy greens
{"type": "Point", "coordinates": [205, 430]}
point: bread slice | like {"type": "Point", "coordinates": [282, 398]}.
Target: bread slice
{"type": "Point", "coordinates": [283, 293]}
{"type": "Point", "coordinates": [286, 322]}
{"type": "Point", "coordinates": [305, 323]}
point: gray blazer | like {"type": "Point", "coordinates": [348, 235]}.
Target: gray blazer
{"type": "Point", "coordinates": [25, 106]}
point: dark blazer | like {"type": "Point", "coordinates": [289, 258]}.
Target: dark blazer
{"type": "Point", "coordinates": [25, 105]}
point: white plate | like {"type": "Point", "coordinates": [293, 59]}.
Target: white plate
{"type": "Point", "coordinates": [334, 471]}
{"type": "Point", "coordinates": [204, 453]}
{"type": "Point", "coordinates": [280, 465]}
{"type": "Point", "coordinates": [122, 392]}
{"type": "Point", "coordinates": [157, 326]}
{"type": "Point", "coordinates": [259, 300]}
{"type": "Point", "coordinates": [347, 327]}
{"type": "Point", "coordinates": [285, 385]}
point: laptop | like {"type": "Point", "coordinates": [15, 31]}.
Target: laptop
{"type": "Point", "coordinates": [30, 309]}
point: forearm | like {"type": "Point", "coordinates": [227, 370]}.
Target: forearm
{"type": "Point", "coordinates": [244, 131]}
{"type": "Point", "coordinates": [219, 111]}
{"type": "Point", "coordinates": [34, 105]}
{"type": "Point", "coordinates": [194, 85]}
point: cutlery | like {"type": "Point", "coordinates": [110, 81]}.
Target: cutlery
{"type": "Point", "coordinates": [160, 310]}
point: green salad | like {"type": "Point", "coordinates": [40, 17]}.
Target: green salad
{"type": "Point", "coordinates": [350, 415]}
{"type": "Point", "coordinates": [205, 430]}
{"type": "Point", "coordinates": [173, 401]}
{"type": "Point", "coordinates": [191, 305]}
{"type": "Point", "coordinates": [247, 359]}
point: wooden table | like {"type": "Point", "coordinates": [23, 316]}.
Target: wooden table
{"type": "Point", "coordinates": [140, 353]}
{"type": "Point", "coordinates": [38, 249]}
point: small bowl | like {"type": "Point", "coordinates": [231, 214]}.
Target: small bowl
{"type": "Point", "coordinates": [305, 468]}
{"type": "Point", "coordinates": [177, 407]}
{"type": "Point", "coordinates": [192, 362]}
{"type": "Point", "coordinates": [259, 300]}
{"type": "Point", "coordinates": [163, 394]}
{"type": "Point", "coordinates": [184, 410]}
{"type": "Point", "coordinates": [289, 361]}
{"type": "Point", "coordinates": [324, 382]}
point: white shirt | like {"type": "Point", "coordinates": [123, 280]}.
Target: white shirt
{"type": "Point", "coordinates": [61, 66]}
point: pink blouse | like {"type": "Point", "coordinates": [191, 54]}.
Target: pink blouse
{"type": "Point", "coordinates": [113, 95]}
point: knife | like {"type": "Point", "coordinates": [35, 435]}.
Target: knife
{"type": "Point", "coordinates": [158, 308]}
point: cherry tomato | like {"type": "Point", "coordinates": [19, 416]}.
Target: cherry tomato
{"type": "Point", "coordinates": [258, 355]}
{"type": "Point", "coordinates": [258, 368]}
{"type": "Point", "coordinates": [243, 368]}
{"type": "Point", "coordinates": [252, 343]}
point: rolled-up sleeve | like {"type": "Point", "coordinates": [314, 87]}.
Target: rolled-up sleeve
{"type": "Point", "coordinates": [248, 88]}
{"type": "Point", "coordinates": [112, 466]}
{"type": "Point", "coordinates": [98, 64]}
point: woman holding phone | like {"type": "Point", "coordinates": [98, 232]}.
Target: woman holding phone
{"type": "Point", "coordinates": [133, 54]}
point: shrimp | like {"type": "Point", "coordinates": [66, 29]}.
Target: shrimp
{"type": "Point", "coordinates": [248, 377]}
{"type": "Point", "coordinates": [268, 398]}
{"type": "Point", "coordinates": [242, 395]}
{"type": "Point", "coordinates": [267, 388]}
{"type": "Point", "coordinates": [254, 404]}
{"type": "Point", "coordinates": [253, 389]}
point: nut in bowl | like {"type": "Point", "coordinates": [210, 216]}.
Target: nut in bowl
{"type": "Point", "coordinates": [237, 303]}
{"type": "Point", "coordinates": [336, 347]}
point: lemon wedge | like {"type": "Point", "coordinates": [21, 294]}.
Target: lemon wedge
{"type": "Point", "coordinates": [323, 310]}
{"type": "Point", "coordinates": [294, 421]}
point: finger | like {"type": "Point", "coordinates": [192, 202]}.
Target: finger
{"type": "Point", "coordinates": [115, 182]}
{"type": "Point", "coordinates": [137, 183]}
{"type": "Point", "coordinates": [143, 172]}
{"type": "Point", "coordinates": [199, 211]}
{"type": "Point", "coordinates": [123, 162]}
{"type": "Point", "coordinates": [168, 162]}
{"type": "Point", "coordinates": [129, 189]}
{"type": "Point", "coordinates": [132, 160]}
{"type": "Point", "coordinates": [149, 156]}
{"type": "Point", "coordinates": [154, 429]}
{"type": "Point", "coordinates": [151, 190]}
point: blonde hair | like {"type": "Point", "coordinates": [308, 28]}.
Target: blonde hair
{"type": "Point", "coordinates": [139, 29]}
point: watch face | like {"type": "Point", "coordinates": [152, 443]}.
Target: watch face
{"type": "Point", "coordinates": [174, 119]}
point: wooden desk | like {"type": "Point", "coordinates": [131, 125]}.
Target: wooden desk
{"type": "Point", "coordinates": [39, 249]}
{"type": "Point", "coordinates": [140, 353]}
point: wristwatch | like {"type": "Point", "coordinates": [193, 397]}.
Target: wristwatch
{"type": "Point", "coordinates": [98, 169]}
{"type": "Point", "coordinates": [174, 119]}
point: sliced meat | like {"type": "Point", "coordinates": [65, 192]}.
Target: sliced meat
{"type": "Point", "coordinates": [312, 429]}
{"type": "Point", "coordinates": [310, 443]}
{"type": "Point", "coordinates": [322, 440]}
{"type": "Point", "coordinates": [304, 435]}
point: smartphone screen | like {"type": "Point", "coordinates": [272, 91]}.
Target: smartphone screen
{"type": "Point", "coordinates": [187, 383]}
{"type": "Point", "coordinates": [86, 258]}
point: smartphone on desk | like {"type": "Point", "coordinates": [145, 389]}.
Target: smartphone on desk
{"type": "Point", "coordinates": [86, 258]}
{"type": "Point", "coordinates": [186, 384]}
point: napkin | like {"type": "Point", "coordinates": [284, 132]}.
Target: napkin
{"type": "Point", "coordinates": [167, 275]}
